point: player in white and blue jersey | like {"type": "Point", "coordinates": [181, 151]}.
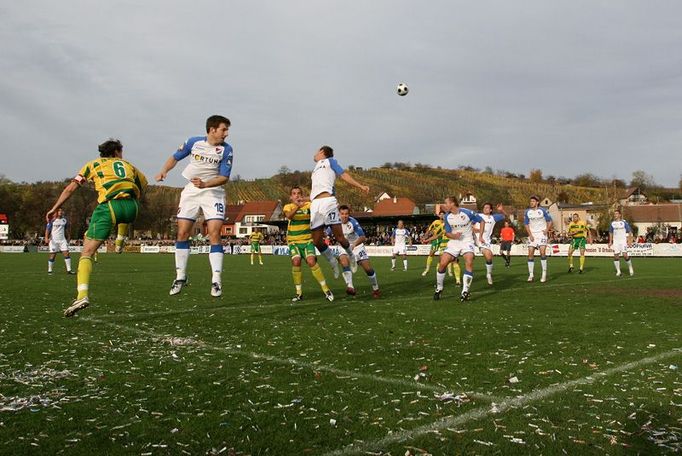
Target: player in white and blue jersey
{"type": "Point", "coordinates": [486, 248]}
{"type": "Point", "coordinates": [620, 238]}
{"type": "Point", "coordinates": [459, 228]}
{"type": "Point", "coordinates": [538, 223]}
{"type": "Point", "coordinates": [209, 168]}
{"type": "Point", "coordinates": [356, 236]}
{"type": "Point", "coordinates": [324, 208]}
{"type": "Point", "coordinates": [57, 239]}
{"type": "Point", "coordinates": [400, 236]}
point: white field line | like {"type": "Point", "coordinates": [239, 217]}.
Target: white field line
{"type": "Point", "coordinates": [475, 295]}
{"type": "Point", "coordinates": [501, 407]}
{"type": "Point", "coordinates": [309, 365]}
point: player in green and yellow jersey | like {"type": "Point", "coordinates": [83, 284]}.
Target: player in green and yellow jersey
{"type": "Point", "coordinates": [255, 239]}
{"type": "Point", "coordinates": [435, 234]}
{"type": "Point", "coordinates": [579, 232]}
{"type": "Point", "coordinates": [300, 241]}
{"type": "Point", "coordinates": [119, 186]}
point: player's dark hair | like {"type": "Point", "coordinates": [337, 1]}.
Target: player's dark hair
{"type": "Point", "coordinates": [343, 207]}
{"type": "Point", "coordinates": [488, 204]}
{"type": "Point", "coordinates": [441, 212]}
{"type": "Point", "coordinates": [294, 188]}
{"type": "Point", "coordinates": [453, 200]}
{"type": "Point", "coordinates": [577, 214]}
{"type": "Point", "coordinates": [215, 121]}
{"type": "Point", "coordinates": [535, 197]}
{"type": "Point", "coordinates": [618, 210]}
{"type": "Point", "coordinates": [328, 151]}
{"type": "Point", "coordinates": [109, 148]}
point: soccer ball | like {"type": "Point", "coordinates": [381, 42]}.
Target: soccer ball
{"type": "Point", "coordinates": [402, 89]}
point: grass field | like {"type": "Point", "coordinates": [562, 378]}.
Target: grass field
{"type": "Point", "coordinates": [583, 364]}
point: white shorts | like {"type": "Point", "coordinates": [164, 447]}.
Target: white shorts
{"type": "Point", "coordinates": [324, 211]}
{"type": "Point", "coordinates": [59, 246]}
{"type": "Point", "coordinates": [211, 201]}
{"type": "Point", "coordinates": [400, 249]}
{"type": "Point", "coordinates": [485, 246]}
{"type": "Point", "coordinates": [620, 248]}
{"type": "Point", "coordinates": [359, 252]}
{"type": "Point", "coordinates": [457, 248]}
{"type": "Point", "coordinates": [540, 239]}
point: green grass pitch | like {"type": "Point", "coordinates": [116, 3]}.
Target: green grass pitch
{"type": "Point", "coordinates": [583, 364]}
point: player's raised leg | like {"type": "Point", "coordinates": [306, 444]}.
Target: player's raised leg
{"type": "Point", "coordinates": [122, 232]}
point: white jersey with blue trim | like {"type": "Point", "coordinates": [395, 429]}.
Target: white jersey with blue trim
{"type": "Point", "coordinates": [352, 230]}
{"type": "Point", "coordinates": [537, 219]}
{"type": "Point", "coordinates": [490, 221]}
{"type": "Point", "coordinates": [324, 176]}
{"type": "Point", "coordinates": [57, 229]}
{"type": "Point", "coordinates": [400, 235]}
{"type": "Point", "coordinates": [206, 161]}
{"type": "Point", "coordinates": [620, 230]}
{"type": "Point", "coordinates": [462, 222]}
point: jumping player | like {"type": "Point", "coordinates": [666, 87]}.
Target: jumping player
{"type": "Point", "coordinates": [209, 168]}
{"type": "Point", "coordinates": [324, 210]}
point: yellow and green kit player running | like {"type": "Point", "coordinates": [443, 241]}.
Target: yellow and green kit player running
{"type": "Point", "coordinates": [579, 232]}
{"type": "Point", "coordinates": [256, 238]}
{"type": "Point", "coordinates": [119, 186]}
{"type": "Point", "coordinates": [300, 241]}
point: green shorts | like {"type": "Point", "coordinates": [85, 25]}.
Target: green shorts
{"type": "Point", "coordinates": [255, 247]}
{"type": "Point", "coordinates": [107, 215]}
{"type": "Point", "coordinates": [578, 243]}
{"type": "Point", "coordinates": [304, 250]}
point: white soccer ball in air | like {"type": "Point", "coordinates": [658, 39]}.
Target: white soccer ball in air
{"type": "Point", "coordinates": [402, 89]}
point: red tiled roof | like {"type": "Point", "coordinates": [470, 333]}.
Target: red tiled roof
{"type": "Point", "coordinates": [401, 206]}
{"type": "Point", "coordinates": [232, 213]}
{"type": "Point", "coordinates": [265, 208]}
{"type": "Point", "coordinates": [654, 213]}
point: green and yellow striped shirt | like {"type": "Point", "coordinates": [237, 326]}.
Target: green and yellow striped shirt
{"type": "Point", "coordinates": [114, 178]}
{"type": "Point", "coordinates": [577, 229]}
{"type": "Point", "coordinates": [298, 231]}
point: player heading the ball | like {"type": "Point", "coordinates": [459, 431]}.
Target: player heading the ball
{"type": "Point", "coordinates": [324, 208]}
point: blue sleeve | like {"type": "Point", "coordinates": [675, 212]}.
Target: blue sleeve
{"type": "Point", "coordinates": [546, 214]}
{"type": "Point", "coordinates": [611, 228]}
{"type": "Point", "coordinates": [393, 232]}
{"type": "Point", "coordinates": [328, 231]}
{"type": "Point", "coordinates": [48, 227]}
{"type": "Point", "coordinates": [526, 220]}
{"type": "Point", "coordinates": [356, 227]}
{"type": "Point", "coordinates": [338, 169]}
{"type": "Point", "coordinates": [498, 217]}
{"type": "Point", "coordinates": [627, 228]}
{"type": "Point", "coordinates": [448, 228]}
{"type": "Point", "coordinates": [186, 148]}
{"type": "Point", "coordinates": [226, 162]}
{"type": "Point", "coordinates": [473, 216]}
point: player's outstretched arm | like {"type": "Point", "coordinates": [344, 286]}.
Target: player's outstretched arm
{"type": "Point", "coordinates": [348, 178]}
{"type": "Point", "coordinates": [170, 164]}
{"type": "Point", "coordinates": [66, 194]}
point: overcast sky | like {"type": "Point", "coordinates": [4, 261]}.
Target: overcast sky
{"type": "Point", "coordinates": [565, 86]}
